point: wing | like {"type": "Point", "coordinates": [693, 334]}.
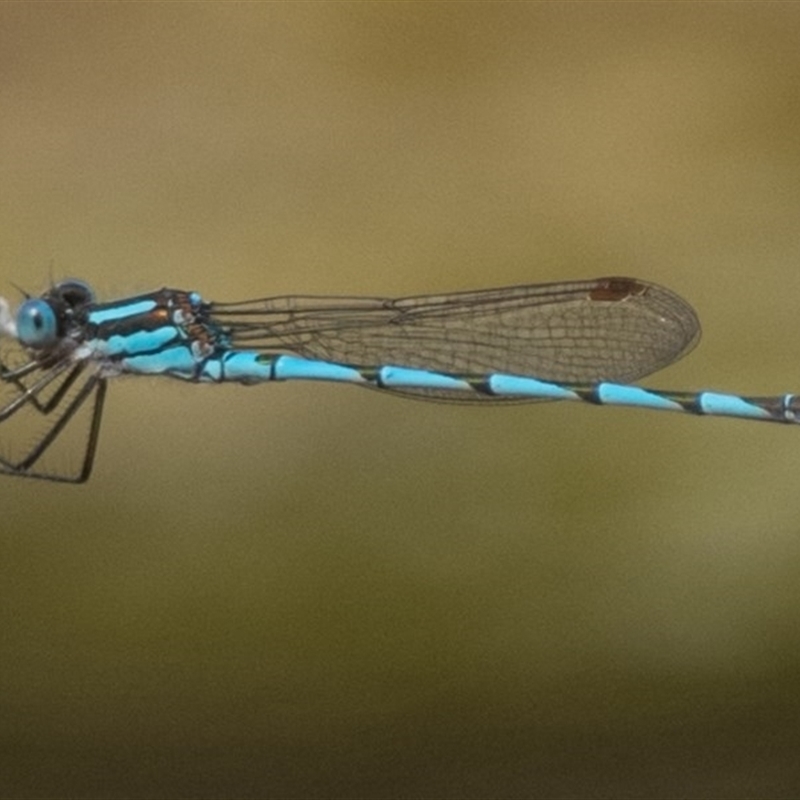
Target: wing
{"type": "Point", "coordinates": [614, 329]}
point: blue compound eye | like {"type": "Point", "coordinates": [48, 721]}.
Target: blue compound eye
{"type": "Point", "coordinates": [36, 324]}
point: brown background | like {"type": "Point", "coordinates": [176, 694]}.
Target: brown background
{"type": "Point", "coordinates": [314, 591]}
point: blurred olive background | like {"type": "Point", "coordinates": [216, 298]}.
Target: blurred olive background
{"type": "Point", "coordinates": [308, 590]}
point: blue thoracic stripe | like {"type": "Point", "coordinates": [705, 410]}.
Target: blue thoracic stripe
{"type": "Point", "coordinates": [582, 341]}
{"type": "Point", "coordinates": [117, 311]}
{"type": "Point", "coordinates": [139, 342]}
{"type": "Point", "coordinates": [177, 361]}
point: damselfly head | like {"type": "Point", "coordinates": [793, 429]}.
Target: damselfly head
{"type": "Point", "coordinates": [41, 322]}
{"type": "Point", "coordinates": [37, 324]}
{"type": "Point", "coordinates": [73, 292]}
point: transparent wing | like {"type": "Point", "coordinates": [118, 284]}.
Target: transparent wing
{"type": "Point", "coordinates": [615, 329]}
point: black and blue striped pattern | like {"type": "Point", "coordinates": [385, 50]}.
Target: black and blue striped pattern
{"type": "Point", "coordinates": [578, 340]}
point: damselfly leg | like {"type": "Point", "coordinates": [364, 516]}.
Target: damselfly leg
{"type": "Point", "coordinates": [39, 401]}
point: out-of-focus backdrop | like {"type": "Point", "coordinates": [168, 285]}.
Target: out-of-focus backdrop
{"type": "Point", "coordinates": [315, 591]}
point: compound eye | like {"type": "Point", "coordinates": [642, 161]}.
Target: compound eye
{"type": "Point", "coordinates": [37, 325]}
{"type": "Point", "coordinates": [74, 292]}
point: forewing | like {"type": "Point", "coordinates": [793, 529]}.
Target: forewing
{"type": "Point", "coordinates": [614, 329]}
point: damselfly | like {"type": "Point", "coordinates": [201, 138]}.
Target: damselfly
{"type": "Point", "coordinates": [578, 340]}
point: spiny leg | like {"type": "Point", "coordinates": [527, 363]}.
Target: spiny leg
{"type": "Point", "coordinates": [29, 395]}
{"type": "Point", "coordinates": [94, 385]}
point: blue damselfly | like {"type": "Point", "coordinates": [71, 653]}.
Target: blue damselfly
{"type": "Point", "coordinates": [576, 340]}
